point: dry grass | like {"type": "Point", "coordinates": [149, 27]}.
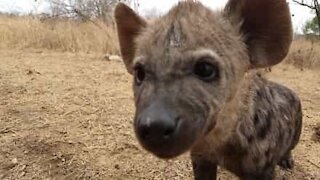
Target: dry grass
{"type": "Point", "coordinates": [58, 35]}
{"type": "Point", "coordinates": [74, 36]}
{"type": "Point", "coordinates": [305, 54]}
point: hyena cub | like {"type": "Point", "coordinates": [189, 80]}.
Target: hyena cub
{"type": "Point", "coordinates": [194, 90]}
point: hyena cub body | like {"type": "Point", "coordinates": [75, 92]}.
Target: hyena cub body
{"type": "Point", "coordinates": [194, 90]}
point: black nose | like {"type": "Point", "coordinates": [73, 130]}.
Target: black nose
{"type": "Point", "coordinates": [157, 124]}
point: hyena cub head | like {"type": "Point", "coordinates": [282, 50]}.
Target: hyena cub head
{"type": "Point", "coordinates": [189, 64]}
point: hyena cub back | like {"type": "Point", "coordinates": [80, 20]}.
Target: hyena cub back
{"type": "Point", "coordinates": [195, 89]}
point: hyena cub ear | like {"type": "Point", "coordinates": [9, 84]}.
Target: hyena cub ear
{"type": "Point", "coordinates": [266, 25]}
{"type": "Point", "coordinates": [129, 25]}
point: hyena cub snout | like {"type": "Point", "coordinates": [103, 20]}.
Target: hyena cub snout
{"type": "Point", "coordinates": [159, 128]}
{"type": "Point", "coordinates": [157, 124]}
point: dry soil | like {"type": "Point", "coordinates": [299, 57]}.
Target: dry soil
{"type": "Point", "coordinates": [69, 116]}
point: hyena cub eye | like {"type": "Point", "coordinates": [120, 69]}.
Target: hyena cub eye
{"type": "Point", "coordinates": [205, 70]}
{"type": "Point", "coordinates": [139, 74]}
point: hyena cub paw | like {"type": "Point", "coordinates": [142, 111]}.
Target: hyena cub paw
{"type": "Point", "coordinates": [286, 162]}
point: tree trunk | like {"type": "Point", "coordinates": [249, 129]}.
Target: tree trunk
{"type": "Point", "coordinates": [317, 8]}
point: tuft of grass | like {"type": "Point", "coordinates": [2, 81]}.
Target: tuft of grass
{"type": "Point", "coordinates": [316, 134]}
{"type": "Point", "coordinates": [57, 34]}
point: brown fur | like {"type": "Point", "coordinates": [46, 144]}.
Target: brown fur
{"type": "Point", "coordinates": [239, 120]}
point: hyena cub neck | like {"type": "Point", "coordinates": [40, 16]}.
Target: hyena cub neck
{"type": "Point", "coordinates": [193, 91]}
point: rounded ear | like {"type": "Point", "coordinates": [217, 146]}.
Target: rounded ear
{"type": "Point", "coordinates": [267, 27]}
{"type": "Point", "coordinates": [129, 25]}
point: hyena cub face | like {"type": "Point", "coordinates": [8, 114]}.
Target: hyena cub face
{"type": "Point", "coordinates": [183, 77]}
{"type": "Point", "coordinates": [189, 64]}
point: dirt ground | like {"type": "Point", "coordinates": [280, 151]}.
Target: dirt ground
{"type": "Point", "coordinates": [69, 116]}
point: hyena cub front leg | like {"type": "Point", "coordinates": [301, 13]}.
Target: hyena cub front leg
{"type": "Point", "coordinates": [286, 162]}
{"type": "Point", "coordinates": [192, 87]}
{"type": "Point", "coordinates": [203, 169]}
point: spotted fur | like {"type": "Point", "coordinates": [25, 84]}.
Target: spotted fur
{"type": "Point", "coordinates": [240, 120]}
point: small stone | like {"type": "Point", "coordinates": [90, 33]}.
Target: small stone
{"type": "Point", "coordinates": [114, 58]}
{"type": "Point", "coordinates": [14, 161]}
{"type": "Point", "coordinates": [110, 57]}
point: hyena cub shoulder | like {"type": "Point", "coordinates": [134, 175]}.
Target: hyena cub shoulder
{"type": "Point", "coordinates": [196, 90]}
